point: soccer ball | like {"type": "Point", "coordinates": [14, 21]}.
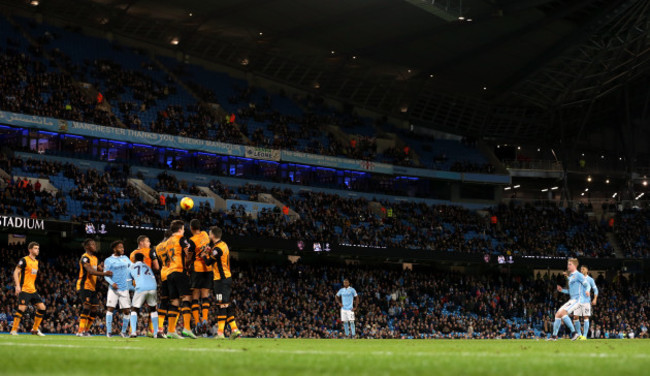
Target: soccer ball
{"type": "Point", "coordinates": [187, 203]}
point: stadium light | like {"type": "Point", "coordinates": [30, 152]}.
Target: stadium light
{"type": "Point", "coordinates": [589, 179]}
{"type": "Point", "coordinates": [34, 3]}
{"type": "Point", "coordinates": [582, 194]}
{"type": "Point", "coordinates": [639, 196]}
{"type": "Point", "coordinates": [175, 41]}
{"type": "Point", "coordinates": [614, 195]}
{"type": "Point", "coordinates": [507, 188]}
{"type": "Point", "coordinates": [545, 190]}
{"type": "Point", "coordinates": [645, 183]}
{"type": "Point", "coordinates": [586, 189]}
{"type": "Point", "coordinates": [430, 76]}
{"type": "Point", "coordinates": [461, 18]}
{"type": "Point", "coordinates": [607, 181]}
{"type": "Point", "coordinates": [554, 188]}
{"type": "Point", "coordinates": [517, 186]}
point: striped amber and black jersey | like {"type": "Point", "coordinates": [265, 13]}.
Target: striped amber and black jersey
{"type": "Point", "coordinates": [28, 271]}
{"type": "Point", "coordinates": [87, 281]}
{"type": "Point", "coordinates": [149, 255]}
{"type": "Point", "coordinates": [164, 262]}
{"type": "Point", "coordinates": [201, 243]}
{"type": "Point", "coordinates": [176, 248]}
{"type": "Point", "coordinates": [220, 260]}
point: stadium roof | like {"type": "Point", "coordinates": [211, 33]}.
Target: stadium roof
{"type": "Point", "coordinates": [514, 69]}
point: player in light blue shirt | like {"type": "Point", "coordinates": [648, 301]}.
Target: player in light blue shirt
{"type": "Point", "coordinates": [577, 284]}
{"type": "Point", "coordinates": [586, 303]}
{"type": "Point", "coordinates": [145, 290]}
{"type": "Point", "coordinates": [120, 284]}
{"type": "Point", "coordinates": [348, 300]}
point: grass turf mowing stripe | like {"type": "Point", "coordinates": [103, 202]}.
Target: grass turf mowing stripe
{"type": "Point", "coordinates": [99, 356]}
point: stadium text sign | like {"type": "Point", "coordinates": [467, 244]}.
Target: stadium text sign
{"type": "Point", "coordinates": [262, 153]}
{"type": "Point", "coordinates": [22, 223]}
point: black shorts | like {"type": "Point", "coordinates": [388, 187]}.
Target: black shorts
{"type": "Point", "coordinates": [25, 298]}
{"type": "Point", "coordinates": [178, 284]}
{"type": "Point", "coordinates": [164, 289]}
{"type": "Point", "coordinates": [201, 280]}
{"type": "Point", "coordinates": [222, 290]}
{"type": "Point", "coordinates": [88, 297]}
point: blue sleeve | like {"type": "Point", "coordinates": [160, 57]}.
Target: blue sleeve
{"type": "Point", "coordinates": [565, 291]}
{"type": "Point", "coordinates": [355, 292]}
{"type": "Point", "coordinates": [132, 271]}
{"type": "Point", "coordinates": [107, 267]}
{"type": "Point", "coordinates": [594, 287]}
{"type": "Point", "coordinates": [338, 293]}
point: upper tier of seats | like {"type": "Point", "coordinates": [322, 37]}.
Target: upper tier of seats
{"type": "Point", "coordinates": [71, 76]}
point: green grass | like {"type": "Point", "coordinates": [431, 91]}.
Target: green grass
{"type": "Point", "coordinates": [66, 355]}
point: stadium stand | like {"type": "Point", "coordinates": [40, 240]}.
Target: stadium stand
{"type": "Point", "coordinates": [105, 195]}
{"type": "Point", "coordinates": [67, 75]}
{"type": "Point", "coordinates": [394, 304]}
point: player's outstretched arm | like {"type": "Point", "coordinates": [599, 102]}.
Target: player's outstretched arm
{"type": "Point", "coordinates": [92, 271]}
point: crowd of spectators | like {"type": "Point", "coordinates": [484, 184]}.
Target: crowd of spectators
{"type": "Point", "coordinates": [548, 229]}
{"type": "Point", "coordinates": [631, 228]}
{"type": "Point", "coordinates": [96, 89]}
{"type": "Point", "coordinates": [28, 87]}
{"type": "Point", "coordinates": [285, 300]}
{"type": "Point", "coordinates": [513, 229]}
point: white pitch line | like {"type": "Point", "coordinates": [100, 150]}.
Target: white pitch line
{"type": "Point", "coordinates": [319, 352]}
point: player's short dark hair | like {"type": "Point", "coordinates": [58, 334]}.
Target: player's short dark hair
{"type": "Point", "coordinates": [32, 245]}
{"type": "Point", "coordinates": [139, 257]}
{"type": "Point", "coordinates": [216, 231]}
{"type": "Point", "coordinates": [345, 279]}
{"type": "Point", "coordinates": [116, 243]}
{"type": "Point", "coordinates": [584, 266]}
{"type": "Point", "coordinates": [141, 238]}
{"type": "Point", "coordinates": [176, 226]}
{"type": "Point", "coordinates": [87, 241]}
{"type": "Point", "coordinates": [195, 224]}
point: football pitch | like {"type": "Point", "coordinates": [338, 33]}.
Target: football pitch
{"type": "Point", "coordinates": [67, 355]}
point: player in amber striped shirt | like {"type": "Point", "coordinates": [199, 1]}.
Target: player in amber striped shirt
{"type": "Point", "coordinates": [89, 270]}
{"type": "Point", "coordinates": [200, 276]}
{"type": "Point", "coordinates": [163, 306]}
{"type": "Point", "coordinates": [219, 258]}
{"type": "Point", "coordinates": [176, 251]}
{"type": "Point", "coordinates": [25, 279]}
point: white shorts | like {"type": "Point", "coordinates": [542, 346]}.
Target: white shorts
{"type": "Point", "coordinates": [145, 296]}
{"type": "Point", "coordinates": [571, 306]}
{"type": "Point", "coordinates": [113, 297]}
{"type": "Point", "coordinates": [347, 315]}
{"type": "Point", "coordinates": [584, 310]}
